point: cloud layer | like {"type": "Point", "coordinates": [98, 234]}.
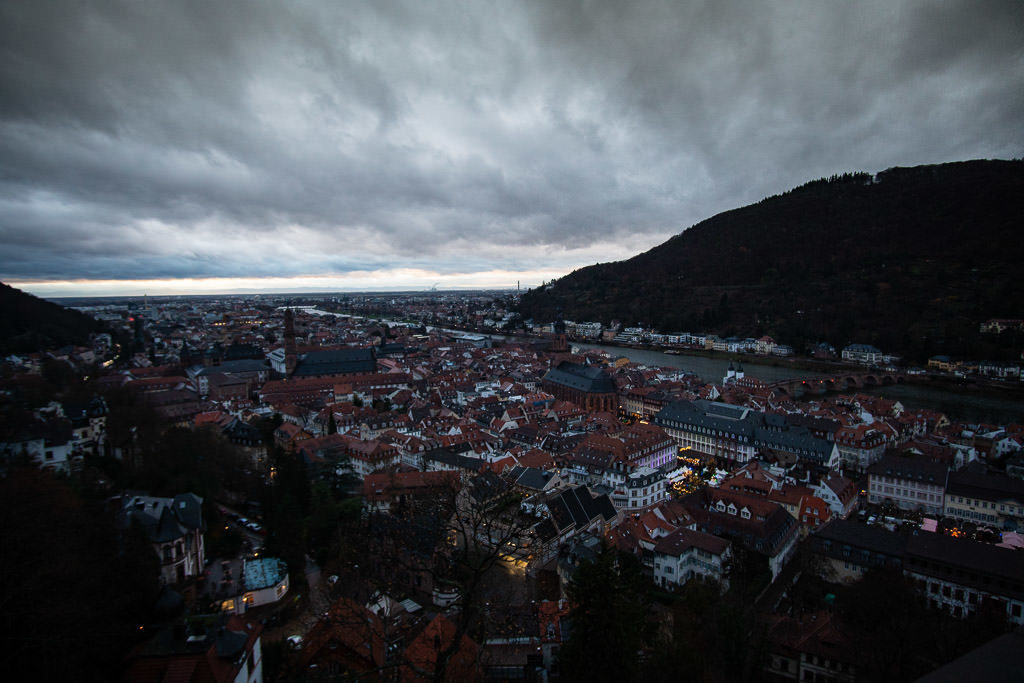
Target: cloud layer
{"type": "Point", "coordinates": [149, 141]}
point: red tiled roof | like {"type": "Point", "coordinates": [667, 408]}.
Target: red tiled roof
{"type": "Point", "coordinates": [422, 654]}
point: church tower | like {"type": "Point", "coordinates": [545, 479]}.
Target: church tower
{"type": "Point", "coordinates": [290, 355]}
{"type": "Point", "coordinates": [560, 343]}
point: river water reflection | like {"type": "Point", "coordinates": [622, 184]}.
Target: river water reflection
{"type": "Point", "coordinates": [957, 405]}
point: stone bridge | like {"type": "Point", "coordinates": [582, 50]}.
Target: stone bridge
{"type": "Point", "coordinates": [840, 383]}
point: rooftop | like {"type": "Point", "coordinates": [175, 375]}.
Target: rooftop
{"type": "Point", "coordinates": [263, 573]}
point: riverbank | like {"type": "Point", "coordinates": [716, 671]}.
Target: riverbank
{"type": "Point", "coordinates": [1012, 390]}
{"type": "Point", "coordinates": [980, 386]}
{"type": "Point", "coordinates": [807, 364]}
{"type": "Point", "coordinates": [971, 398]}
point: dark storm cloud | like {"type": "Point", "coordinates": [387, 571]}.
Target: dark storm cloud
{"type": "Point", "coordinates": [151, 140]}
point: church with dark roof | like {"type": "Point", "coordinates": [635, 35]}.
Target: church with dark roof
{"type": "Point", "coordinates": [323, 362]}
{"type": "Point", "coordinates": [590, 388]}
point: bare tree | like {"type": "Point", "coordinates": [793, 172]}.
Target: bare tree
{"type": "Point", "coordinates": [460, 546]}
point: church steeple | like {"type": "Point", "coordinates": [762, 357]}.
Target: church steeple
{"type": "Point", "coordinates": [290, 355]}
{"type": "Point", "coordinates": [560, 343]}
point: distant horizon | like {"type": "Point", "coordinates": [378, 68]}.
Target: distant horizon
{"type": "Point", "coordinates": [279, 292]}
{"type": "Point", "coordinates": [85, 289]}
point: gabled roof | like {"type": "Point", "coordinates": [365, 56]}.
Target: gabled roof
{"type": "Point", "coordinates": [581, 377]}
{"type": "Point", "coordinates": [530, 477]}
{"type": "Point", "coordinates": [233, 366]}
{"type": "Point", "coordinates": [681, 540]}
{"type": "Point", "coordinates": [350, 626]}
{"type": "Point", "coordinates": [423, 652]}
{"type": "Point", "coordinates": [874, 538]}
{"type": "Point", "coordinates": [985, 486]}
{"type": "Point", "coordinates": [164, 519]}
{"type": "Point", "coordinates": [336, 362]}
{"type": "Point", "coordinates": [188, 508]}
{"type": "Point", "coordinates": [916, 469]}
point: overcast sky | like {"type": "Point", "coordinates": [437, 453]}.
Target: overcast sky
{"type": "Point", "coordinates": [208, 146]}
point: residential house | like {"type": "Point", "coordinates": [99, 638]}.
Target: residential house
{"type": "Point", "coordinates": [861, 446]}
{"type": "Point", "coordinates": [532, 481]}
{"type": "Point", "coordinates": [764, 346]}
{"type": "Point", "coordinates": [50, 444]}
{"type": "Point", "coordinates": [88, 422]}
{"type": "Point", "coordinates": [570, 512]}
{"type": "Point", "coordinates": [839, 493]}
{"type": "Point", "coordinates": [758, 524]}
{"type": "Point", "coordinates": [250, 374]}
{"type": "Point", "coordinates": [800, 502]}
{"type": "Point", "coordinates": [964, 577]}
{"type": "Point", "coordinates": [638, 534]}
{"type": "Point", "coordinates": [955, 574]}
{"type": "Point", "coordinates": [809, 647]}
{"type": "Point", "coordinates": [686, 554]}
{"type": "Point", "coordinates": [849, 548]}
{"type": "Point", "coordinates": [863, 353]}
{"type": "Point", "coordinates": [175, 527]}
{"type": "Point", "coordinates": [942, 363]}
{"type": "Point", "coordinates": [909, 483]}
{"type": "Point", "coordinates": [995, 500]}
{"type": "Point", "coordinates": [217, 649]}
{"type": "Point", "coordinates": [350, 640]}
{"type": "Point", "coordinates": [383, 491]}
{"type": "Point", "coordinates": [263, 581]}
{"type": "Point", "coordinates": [643, 487]}
{"type": "Point", "coordinates": [422, 655]}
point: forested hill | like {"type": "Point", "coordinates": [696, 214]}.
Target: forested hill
{"type": "Point", "coordinates": [910, 259]}
{"type": "Point", "coordinates": [33, 324]}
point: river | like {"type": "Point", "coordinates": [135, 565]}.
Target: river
{"type": "Point", "coordinates": [958, 405]}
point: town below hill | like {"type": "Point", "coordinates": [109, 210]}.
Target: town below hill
{"type": "Point", "coordinates": [265, 488]}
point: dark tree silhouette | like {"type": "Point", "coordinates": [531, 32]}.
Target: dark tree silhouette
{"type": "Point", "coordinates": [608, 619]}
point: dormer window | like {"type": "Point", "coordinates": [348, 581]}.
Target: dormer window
{"type": "Point", "coordinates": [745, 513]}
{"type": "Point", "coordinates": [721, 506]}
{"type": "Point", "coordinates": [732, 509]}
